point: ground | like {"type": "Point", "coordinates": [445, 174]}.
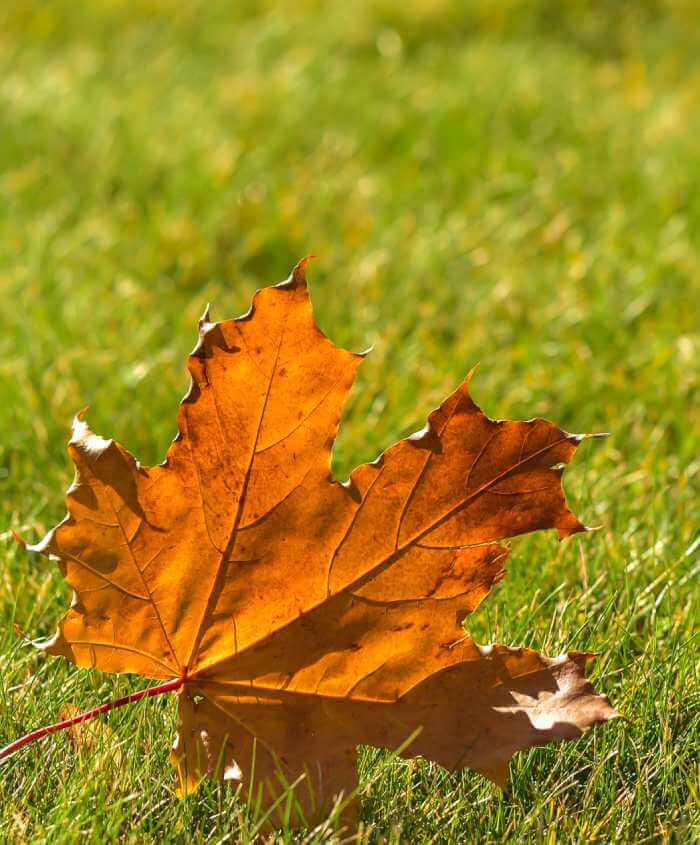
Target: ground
{"type": "Point", "coordinates": [514, 184]}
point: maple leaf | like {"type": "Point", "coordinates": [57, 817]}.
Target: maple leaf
{"type": "Point", "coordinates": [300, 616]}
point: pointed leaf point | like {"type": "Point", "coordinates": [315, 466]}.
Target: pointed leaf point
{"type": "Point", "coordinates": [297, 278]}
{"type": "Point", "coordinates": [470, 375]}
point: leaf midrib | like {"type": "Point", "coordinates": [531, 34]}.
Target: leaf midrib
{"type": "Point", "coordinates": [231, 542]}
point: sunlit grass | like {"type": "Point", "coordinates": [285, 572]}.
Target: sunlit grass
{"type": "Point", "coordinates": [518, 187]}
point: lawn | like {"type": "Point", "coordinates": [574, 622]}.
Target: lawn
{"type": "Point", "coordinates": [515, 184]}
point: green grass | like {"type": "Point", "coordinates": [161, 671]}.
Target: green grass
{"type": "Point", "coordinates": [516, 184]}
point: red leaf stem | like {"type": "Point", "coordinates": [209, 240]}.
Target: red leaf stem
{"type": "Point", "coordinates": [169, 686]}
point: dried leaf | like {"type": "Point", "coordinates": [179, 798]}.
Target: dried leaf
{"type": "Point", "coordinates": [308, 616]}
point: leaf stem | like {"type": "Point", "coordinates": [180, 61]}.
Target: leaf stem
{"type": "Point", "coordinates": [169, 686]}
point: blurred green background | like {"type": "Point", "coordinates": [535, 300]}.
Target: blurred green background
{"type": "Point", "coordinates": [516, 184]}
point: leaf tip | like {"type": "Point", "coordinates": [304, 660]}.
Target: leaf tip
{"type": "Point", "coordinates": [589, 529]}
{"type": "Point", "coordinates": [297, 278]}
{"type": "Point", "coordinates": [579, 438]}
{"type": "Point", "coordinates": [571, 525]}
{"type": "Point", "coordinates": [497, 773]}
{"type": "Point", "coordinates": [79, 428]}
{"type": "Point", "coordinates": [205, 319]}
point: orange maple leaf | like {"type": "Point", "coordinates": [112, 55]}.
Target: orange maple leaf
{"type": "Point", "coordinates": [300, 616]}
